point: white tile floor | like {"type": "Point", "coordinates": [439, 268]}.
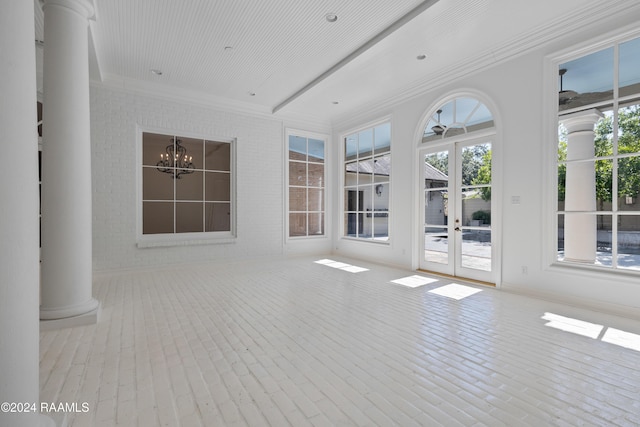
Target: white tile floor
{"type": "Point", "coordinates": [295, 342]}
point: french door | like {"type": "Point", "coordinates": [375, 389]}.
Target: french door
{"type": "Point", "coordinates": [456, 237]}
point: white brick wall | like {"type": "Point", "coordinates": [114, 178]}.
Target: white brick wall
{"type": "Point", "coordinates": [115, 116]}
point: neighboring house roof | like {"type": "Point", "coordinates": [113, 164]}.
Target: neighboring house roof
{"type": "Point", "coordinates": [434, 174]}
{"type": "Point", "coordinates": [383, 167]}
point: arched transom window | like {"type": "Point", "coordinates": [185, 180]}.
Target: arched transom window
{"type": "Point", "coordinates": [458, 116]}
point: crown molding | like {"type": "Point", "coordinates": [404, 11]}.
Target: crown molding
{"type": "Point", "coordinates": [207, 100]}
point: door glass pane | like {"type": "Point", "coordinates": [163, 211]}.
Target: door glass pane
{"type": "Point", "coordinates": [436, 210]}
{"type": "Point", "coordinates": [475, 207]}
{"type": "Point", "coordinates": [436, 170]}
{"type": "Point", "coordinates": [476, 249]}
{"type": "Point", "coordinates": [476, 164]}
{"type": "Point", "coordinates": [476, 211]}
{"type": "Point", "coordinates": [436, 245]}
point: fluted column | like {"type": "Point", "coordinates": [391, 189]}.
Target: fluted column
{"type": "Point", "coordinates": [66, 163]}
{"type": "Point", "coordinates": [580, 229]}
{"type": "Point", "coordinates": [19, 258]}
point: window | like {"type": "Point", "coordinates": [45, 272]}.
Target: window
{"type": "Point", "coordinates": [186, 185]}
{"type": "Point", "coordinates": [598, 211]}
{"type": "Point", "coordinates": [306, 185]}
{"type": "Point", "coordinates": [367, 170]}
{"type": "Point", "coordinates": [458, 116]}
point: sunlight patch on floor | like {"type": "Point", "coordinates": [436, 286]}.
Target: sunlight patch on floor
{"type": "Point", "coordinates": [575, 326]}
{"type": "Point", "coordinates": [455, 291]}
{"type": "Point", "coordinates": [341, 265]}
{"type": "Point", "coordinates": [622, 338]}
{"type": "Point", "coordinates": [414, 281]}
{"type": "Point", "coordinates": [592, 330]}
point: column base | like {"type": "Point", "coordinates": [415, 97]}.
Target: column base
{"type": "Point", "coordinates": [88, 318]}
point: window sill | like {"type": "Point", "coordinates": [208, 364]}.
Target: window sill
{"type": "Point", "coordinates": [368, 240]}
{"type": "Point", "coordinates": [184, 240]}
{"type": "Point", "coordinates": [589, 270]}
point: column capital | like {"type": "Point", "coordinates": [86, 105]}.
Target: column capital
{"type": "Point", "coordinates": [581, 120]}
{"type": "Point", "coordinates": [84, 8]}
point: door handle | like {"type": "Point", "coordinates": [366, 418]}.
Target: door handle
{"type": "Point", "coordinates": [457, 229]}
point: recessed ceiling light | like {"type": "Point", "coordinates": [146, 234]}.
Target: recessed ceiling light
{"type": "Point", "coordinates": [156, 72]}
{"type": "Point", "coordinates": [335, 102]}
{"type": "Point", "coordinates": [421, 57]}
{"type": "Point", "coordinates": [331, 17]}
{"type": "Point", "coordinates": [251, 93]}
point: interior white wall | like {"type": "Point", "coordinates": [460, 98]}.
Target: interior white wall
{"type": "Point", "coordinates": [115, 117]}
{"type": "Point", "coordinates": [516, 88]}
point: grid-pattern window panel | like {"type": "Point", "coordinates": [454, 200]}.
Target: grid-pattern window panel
{"type": "Point", "coordinates": [367, 173]}
{"type": "Point", "coordinates": [186, 185]}
{"type": "Point", "coordinates": [598, 158]}
{"type": "Point", "coordinates": [307, 176]}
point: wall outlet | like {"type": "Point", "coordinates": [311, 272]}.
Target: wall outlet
{"type": "Point", "coordinates": [525, 270]}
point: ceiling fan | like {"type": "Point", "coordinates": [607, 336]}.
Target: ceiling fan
{"type": "Point", "coordinates": [439, 128]}
{"type": "Point", "coordinates": [564, 96]}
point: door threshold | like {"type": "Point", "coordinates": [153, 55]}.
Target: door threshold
{"type": "Point", "coordinates": [464, 279]}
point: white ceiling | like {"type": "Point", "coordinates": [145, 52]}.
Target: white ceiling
{"type": "Point", "coordinates": [276, 48]}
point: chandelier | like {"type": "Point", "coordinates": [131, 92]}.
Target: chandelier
{"type": "Point", "coordinates": [175, 161]}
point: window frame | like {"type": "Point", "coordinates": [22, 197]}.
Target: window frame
{"type": "Point", "coordinates": [343, 186]}
{"type": "Point", "coordinates": [188, 238]}
{"type": "Point", "coordinates": [551, 122]}
{"type": "Point", "coordinates": [289, 132]}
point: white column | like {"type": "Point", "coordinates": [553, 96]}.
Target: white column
{"type": "Point", "coordinates": [66, 164]}
{"type": "Point", "coordinates": [19, 258]}
{"type": "Point", "coordinates": [580, 230]}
